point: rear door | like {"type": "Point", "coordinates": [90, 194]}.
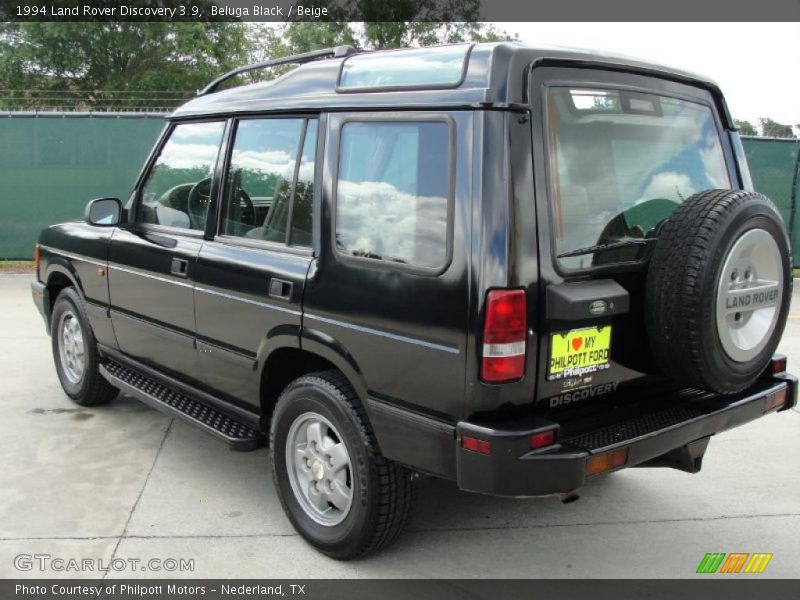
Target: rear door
{"type": "Point", "coordinates": [615, 155]}
{"type": "Point", "coordinates": [153, 259]}
{"type": "Point", "coordinates": [250, 276]}
{"type": "Point", "coordinates": [389, 289]}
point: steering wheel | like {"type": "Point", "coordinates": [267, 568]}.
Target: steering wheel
{"type": "Point", "coordinates": [247, 215]}
{"type": "Point", "coordinates": [197, 203]}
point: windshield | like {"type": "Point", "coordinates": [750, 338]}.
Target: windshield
{"type": "Point", "coordinates": [620, 163]}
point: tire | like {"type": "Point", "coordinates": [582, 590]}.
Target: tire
{"type": "Point", "coordinates": [705, 329]}
{"type": "Point", "coordinates": [382, 492]}
{"type": "Point", "coordinates": [80, 377]}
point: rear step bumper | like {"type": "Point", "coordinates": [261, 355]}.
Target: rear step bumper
{"type": "Point", "coordinates": [673, 424]}
{"type": "Point", "coordinates": [237, 434]}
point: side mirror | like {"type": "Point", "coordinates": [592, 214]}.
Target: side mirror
{"type": "Point", "coordinates": [103, 212]}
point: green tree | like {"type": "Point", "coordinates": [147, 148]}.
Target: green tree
{"type": "Point", "coordinates": [770, 128]}
{"type": "Point", "coordinates": [117, 65]}
{"type": "Point", "coordinates": [745, 127]}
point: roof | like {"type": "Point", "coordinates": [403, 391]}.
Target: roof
{"type": "Point", "coordinates": [493, 77]}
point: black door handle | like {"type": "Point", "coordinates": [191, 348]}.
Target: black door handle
{"type": "Point", "coordinates": [281, 289]}
{"type": "Point", "coordinates": [180, 267]}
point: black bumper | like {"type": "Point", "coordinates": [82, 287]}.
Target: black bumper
{"type": "Point", "coordinates": [652, 431]}
{"type": "Point", "coordinates": [41, 298]}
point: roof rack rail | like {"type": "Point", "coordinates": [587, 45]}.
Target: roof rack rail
{"type": "Point", "coordinates": [337, 52]}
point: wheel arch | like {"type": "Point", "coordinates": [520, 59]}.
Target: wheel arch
{"type": "Point", "coordinates": [60, 275]}
{"type": "Point", "coordinates": [315, 353]}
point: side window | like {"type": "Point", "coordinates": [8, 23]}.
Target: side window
{"type": "Point", "coordinates": [176, 192]}
{"type": "Point", "coordinates": [265, 190]}
{"type": "Point", "coordinates": [393, 192]}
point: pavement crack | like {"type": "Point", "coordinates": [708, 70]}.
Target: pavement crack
{"type": "Point", "coordinates": [410, 530]}
{"type": "Point", "coordinates": [141, 493]}
{"type": "Point", "coordinates": [598, 523]}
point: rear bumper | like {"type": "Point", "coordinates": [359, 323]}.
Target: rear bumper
{"type": "Point", "coordinates": [512, 469]}
{"type": "Point", "coordinates": [41, 298]}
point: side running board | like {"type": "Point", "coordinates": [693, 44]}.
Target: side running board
{"type": "Point", "coordinates": [152, 392]}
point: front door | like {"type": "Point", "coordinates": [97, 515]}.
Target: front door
{"type": "Point", "coordinates": [152, 259]}
{"type": "Point", "coordinates": [250, 277]}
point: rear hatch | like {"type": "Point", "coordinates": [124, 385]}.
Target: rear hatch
{"type": "Point", "coordinates": [615, 153]}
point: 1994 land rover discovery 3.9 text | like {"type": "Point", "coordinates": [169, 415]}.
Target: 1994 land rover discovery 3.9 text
{"type": "Point", "coordinates": [511, 267]}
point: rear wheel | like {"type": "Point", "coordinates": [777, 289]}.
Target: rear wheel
{"type": "Point", "coordinates": [718, 290]}
{"type": "Point", "coordinates": [340, 494]}
{"type": "Point", "coordinates": [75, 352]}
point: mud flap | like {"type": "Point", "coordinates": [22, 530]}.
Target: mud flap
{"type": "Point", "coordinates": [688, 458]}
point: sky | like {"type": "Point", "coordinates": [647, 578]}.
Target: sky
{"type": "Point", "coordinates": [757, 65]}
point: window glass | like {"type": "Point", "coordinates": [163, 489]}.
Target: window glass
{"type": "Point", "coordinates": [176, 193]}
{"type": "Point", "coordinates": [441, 66]}
{"type": "Point", "coordinates": [393, 191]}
{"type": "Point", "coordinates": [304, 191]}
{"type": "Point", "coordinates": [260, 186]}
{"type": "Point", "coordinates": [620, 163]}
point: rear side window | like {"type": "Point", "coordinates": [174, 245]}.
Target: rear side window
{"type": "Point", "coordinates": [620, 163]}
{"type": "Point", "coordinates": [393, 192]}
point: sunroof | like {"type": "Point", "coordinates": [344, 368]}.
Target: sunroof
{"type": "Point", "coordinates": [440, 67]}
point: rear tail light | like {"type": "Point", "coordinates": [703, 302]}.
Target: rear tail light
{"type": "Point", "coordinates": [36, 257]}
{"type": "Point", "coordinates": [504, 335]}
{"type": "Point", "coordinates": [543, 438]}
{"type": "Point", "coordinates": [600, 463]}
{"type": "Point", "coordinates": [777, 364]}
{"type": "Point", "coordinates": [475, 445]}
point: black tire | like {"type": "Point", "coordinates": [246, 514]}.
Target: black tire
{"type": "Point", "coordinates": [92, 388]}
{"type": "Point", "coordinates": [383, 491]}
{"type": "Point", "coordinates": [682, 289]}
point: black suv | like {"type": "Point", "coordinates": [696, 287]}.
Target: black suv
{"type": "Point", "coordinates": [511, 267]}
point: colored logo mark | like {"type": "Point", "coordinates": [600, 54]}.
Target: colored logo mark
{"type": "Point", "coordinates": [735, 562]}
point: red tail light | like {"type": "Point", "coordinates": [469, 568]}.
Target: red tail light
{"type": "Point", "coordinates": [476, 445]}
{"type": "Point", "coordinates": [778, 364]}
{"type": "Point", "coordinates": [543, 438]}
{"type": "Point", "coordinates": [504, 335]}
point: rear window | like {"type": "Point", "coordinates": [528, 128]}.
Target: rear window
{"type": "Point", "coordinates": [393, 192]}
{"type": "Point", "coordinates": [620, 163]}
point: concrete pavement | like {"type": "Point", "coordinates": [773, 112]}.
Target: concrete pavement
{"type": "Point", "coordinates": [126, 482]}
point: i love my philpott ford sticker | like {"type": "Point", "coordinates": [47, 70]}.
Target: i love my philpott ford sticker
{"type": "Point", "coordinates": [579, 352]}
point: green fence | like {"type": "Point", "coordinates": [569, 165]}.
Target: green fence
{"type": "Point", "coordinates": [776, 173]}
{"type": "Point", "coordinates": [51, 164]}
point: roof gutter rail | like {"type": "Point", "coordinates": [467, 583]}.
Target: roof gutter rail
{"type": "Point", "coordinates": [337, 52]}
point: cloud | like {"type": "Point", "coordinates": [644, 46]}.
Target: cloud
{"type": "Point", "coordinates": [189, 156]}
{"type": "Point", "coordinates": [668, 184]}
{"type": "Point", "coordinates": [374, 217]}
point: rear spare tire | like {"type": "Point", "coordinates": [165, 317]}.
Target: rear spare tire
{"type": "Point", "coordinates": [718, 290]}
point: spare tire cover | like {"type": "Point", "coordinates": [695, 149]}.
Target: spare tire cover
{"type": "Point", "coordinates": [718, 290]}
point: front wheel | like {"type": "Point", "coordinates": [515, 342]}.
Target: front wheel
{"type": "Point", "coordinates": [75, 352]}
{"type": "Point", "coordinates": [340, 494]}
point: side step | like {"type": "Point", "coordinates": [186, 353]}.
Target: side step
{"type": "Point", "coordinates": [152, 392]}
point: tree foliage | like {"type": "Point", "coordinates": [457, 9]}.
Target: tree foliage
{"type": "Point", "coordinates": [46, 64]}
{"type": "Point", "coordinates": [745, 127]}
{"type": "Point", "coordinates": [770, 128]}
{"type": "Point", "coordinates": [160, 64]}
